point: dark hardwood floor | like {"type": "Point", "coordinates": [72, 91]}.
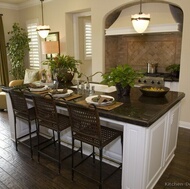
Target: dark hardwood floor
{"type": "Point", "coordinates": [17, 170]}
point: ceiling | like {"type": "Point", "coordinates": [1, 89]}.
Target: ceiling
{"type": "Point", "coordinates": [13, 1]}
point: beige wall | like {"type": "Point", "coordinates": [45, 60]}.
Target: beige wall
{"type": "Point", "coordinates": [9, 17]}
{"type": "Point", "coordinates": [54, 13]}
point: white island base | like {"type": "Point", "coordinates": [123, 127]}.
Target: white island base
{"type": "Point", "coordinates": [147, 151]}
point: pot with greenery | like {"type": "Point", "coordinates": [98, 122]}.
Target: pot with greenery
{"type": "Point", "coordinates": [123, 77]}
{"type": "Point", "coordinates": [174, 69]}
{"type": "Point", "coordinates": [63, 67]}
{"type": "Point", "coordinates": [18, 46]}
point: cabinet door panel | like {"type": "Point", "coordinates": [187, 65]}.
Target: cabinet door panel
{"type": "Point", "coordinates": [157, 140]}
{"type": "Point", "coordinates": [172, 132]}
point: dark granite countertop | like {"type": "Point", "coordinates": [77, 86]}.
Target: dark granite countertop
{"type": "Point", "coordinates": [138, 109]}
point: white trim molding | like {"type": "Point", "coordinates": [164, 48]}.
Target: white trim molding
{"type": "Point", "coordinates": [20, 6]}
{"type": "Point", "coordinates": [184, 124]}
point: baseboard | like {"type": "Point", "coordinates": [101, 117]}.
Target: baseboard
{"type": "Point", "coordinates": [184, 124]}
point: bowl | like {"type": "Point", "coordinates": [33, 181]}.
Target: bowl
{"type": "Point", "coordinates": [153, 91]}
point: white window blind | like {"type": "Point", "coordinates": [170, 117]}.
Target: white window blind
{"type": "Point", "coordinates": [88, 40]}
{"type": "Point", "coordinates": [34, 57]}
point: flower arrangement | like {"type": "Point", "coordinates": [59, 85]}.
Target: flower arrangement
{"type": "Point", "coordinates": [63, 65]}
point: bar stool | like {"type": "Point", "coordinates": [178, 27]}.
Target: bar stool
{"type": "Point", "coordinates": [85, 127]}
{"type": "Point", "coordinates": [47, 116]}
{"type": "Point", "coordinates": [21, 110]}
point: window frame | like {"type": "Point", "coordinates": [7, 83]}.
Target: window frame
{"type": "Point", "coordinates": [36, 53]}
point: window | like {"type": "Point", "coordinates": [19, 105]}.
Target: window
{"type": "Point", "coordinates": [34, 55]}
{"type": "Point", "coordinates": [88, 39]}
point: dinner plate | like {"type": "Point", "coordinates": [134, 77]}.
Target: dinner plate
{"type": "Point", "coordinates": [90, 100]}
{"type": "Point", "coordinates": [39, 83]}
{"type": "Point", "coordinates": [68, 93]}
{"type": "Point", "coordinates": [39, 89]}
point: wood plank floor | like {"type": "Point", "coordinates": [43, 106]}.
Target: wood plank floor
{"type": "Point", "coordinates": [17, 170]}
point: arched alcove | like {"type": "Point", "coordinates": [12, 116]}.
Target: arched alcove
{"type": "Point", "coordinates": [137, 50]}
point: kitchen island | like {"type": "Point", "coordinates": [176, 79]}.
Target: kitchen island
{"type": "Point", "coordinates": [150, 129]}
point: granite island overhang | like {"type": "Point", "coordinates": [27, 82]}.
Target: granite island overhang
{"type": "Point", "coordinates": [150, 129]}
{"type": "Point", "coordinates": [138, 109]}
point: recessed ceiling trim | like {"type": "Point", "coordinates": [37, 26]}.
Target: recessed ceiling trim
{"type": "Point", "coordinates": [9, 6]}
{"type": "Point", "coordinates": [24, 5]}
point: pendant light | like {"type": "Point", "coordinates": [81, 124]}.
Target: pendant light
{"type": "Point", "coordinates": [43, 30]}
{"type": "Point", "coordinates": [140, 21]}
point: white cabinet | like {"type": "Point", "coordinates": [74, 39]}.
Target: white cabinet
{"type": "Point", "coordinates": [172, 133]}
{"type": "Point", "coordinates": [156, 151]}
{"type": "Point", "coordinates": [162, 144]}
{"type": "Point", "coordinates": [172, 85]}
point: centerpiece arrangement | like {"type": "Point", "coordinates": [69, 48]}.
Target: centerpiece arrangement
{"type": "Point", "coordinates": [63, 67]}
{"type": "Point", "coordinates": [123, 77]}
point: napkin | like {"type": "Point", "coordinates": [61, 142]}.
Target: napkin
{"type": "Point", "coordinates": [102, 99]}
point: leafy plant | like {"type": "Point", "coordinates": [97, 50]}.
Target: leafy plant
{"type": "Point", "coordinates": [122, 74]}
{"type": "Point", "coordinates": [62, 64]}
{"type": "Point", "coordinates": [18, 45]}
{"type": "Point", "coordinates": [173, 68]}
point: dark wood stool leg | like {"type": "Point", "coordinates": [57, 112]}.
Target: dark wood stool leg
{"type": "Point", "coordinates": [100, 151]}
{"type": "Point", "coordinates": [15, 134]}
{"type": "Point", "coordinates": [73, 158]}
{"type": "Point", "coordinates": [31, 150]}
{"type": "Point", "coordinates": [59, 151]}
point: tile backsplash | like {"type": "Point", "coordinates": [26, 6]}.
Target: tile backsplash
{"type": "Point", "coordinates": [138, 50]}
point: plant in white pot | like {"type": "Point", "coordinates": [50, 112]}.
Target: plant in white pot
{"type": "Point", "coordinates": [123, 77]}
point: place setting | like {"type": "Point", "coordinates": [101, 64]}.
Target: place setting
{"type": "Point", "coordinates": [66, 94]}
{"type": "Point", "coordinates": [38, 89]}
{"type": "Point", "coordinates": [105, 102]}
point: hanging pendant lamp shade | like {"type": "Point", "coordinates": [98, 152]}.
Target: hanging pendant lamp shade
{"type": "Point", "coordinates": [140, 21]}
{"type": "Point", "coordinates": [43, 30]}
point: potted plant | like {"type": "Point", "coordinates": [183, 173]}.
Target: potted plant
{"type": "Point", "coordinates": [18, 46]}
{"type": "Point", "coordinates": [174, 69]}
{"type": "Point", "coordinates": [123, 77]}
{"type": "Point", "coordinates": [63, 67]}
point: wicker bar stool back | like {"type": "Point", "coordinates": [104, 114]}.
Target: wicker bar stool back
{"type": "Point", "coordinates": [85, 127]}
{"type": "Point", "coordinates": [21, 111]}
{"type": "Point", "coordinates": [47, 116]}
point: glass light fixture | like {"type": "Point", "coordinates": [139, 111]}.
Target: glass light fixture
{"type": "Point", "coordinates": [43, 30]}
{"type": "Point", "coordinates": [140, 21]}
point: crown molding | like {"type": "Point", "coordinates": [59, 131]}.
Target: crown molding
{"type": "Point", "coordinates": [8, 6]}
{"type": "Point", "coordinates": [24, 5]}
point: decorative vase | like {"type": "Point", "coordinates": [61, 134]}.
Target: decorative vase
{"type": "Point", "coordinates": [65, 78]}
{"type": "Point", "coordinates": [123, 91]}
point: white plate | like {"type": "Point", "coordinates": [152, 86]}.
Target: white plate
{"type": "Point", "coordinates": [39, 89]}
{"type": "Point", "coordinates": [39, 83]}
{"type": "Point", "coordinates": [69, 92]}
{"type": "Point", "coordinates": [90, 101]}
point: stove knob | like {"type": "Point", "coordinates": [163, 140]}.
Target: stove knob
{"type": "Point", "coordinates": [152, 82]}
{"type": "Point", "coordinates": [144, 81]}
{"type": "Point", "coordinates": [158, 83]}
{"type": "Point", "coordinates": [139, 81]}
